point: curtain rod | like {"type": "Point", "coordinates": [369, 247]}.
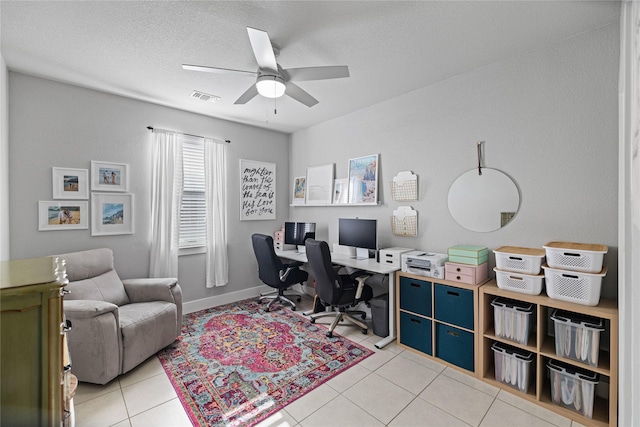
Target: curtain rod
{"type": "Point", "coordinates": [188, 134]}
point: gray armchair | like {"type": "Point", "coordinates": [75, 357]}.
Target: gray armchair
{"type": "Point", "coordinates": [116, 324]}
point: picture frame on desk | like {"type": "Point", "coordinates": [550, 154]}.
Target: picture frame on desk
{"type": "Point", "coordinates": [363, 179]}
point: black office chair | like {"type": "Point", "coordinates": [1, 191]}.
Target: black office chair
{"type": "Point", "coordinates": [273, 272]}
{"type": "Point", "coordinates": [339, 291]}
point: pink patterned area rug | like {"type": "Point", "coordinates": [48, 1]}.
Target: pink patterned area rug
{"type": "Point", "coordinates": [237, 364]}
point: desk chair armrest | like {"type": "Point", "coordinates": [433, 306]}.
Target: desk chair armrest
{"type": "Point", "coordinates": [290, 267]}
{"type": "Point", "coordinates": [361, 277]}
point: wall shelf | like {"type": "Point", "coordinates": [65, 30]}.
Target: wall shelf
{"type": "Point", "coordinates": [302, 205]}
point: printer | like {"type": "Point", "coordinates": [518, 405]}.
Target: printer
{"type": "Point", "coordinates": [424, 263]}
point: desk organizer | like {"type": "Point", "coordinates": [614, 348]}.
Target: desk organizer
{"type": "Point", "coordinates": [519, 260]}
{"type": "Point", "coordinates": [512, 366]}
{"type": "Point", "coordinates": [577, 336]}
{"type": "Point", "coordinates": [519, 282]}
{"type": "Point", "coordinates": [583, 257]}
{"type": "Point", "coordinates": [512, 319]}
{"type": "Point", "coordinates": [572, 388]}
{"type": "Point", "coordinates": [573, 286]}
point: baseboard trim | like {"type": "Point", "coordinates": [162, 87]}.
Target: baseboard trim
{"type": "Point", "coordinates": [214, 301]}
{"type": "Point", "coordinates": [228, 298]}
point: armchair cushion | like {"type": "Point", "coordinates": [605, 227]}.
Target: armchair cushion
{"type": "Point", "coordinates": [146, 327]}
{"type": "Point", "coordinates": [92, 276]}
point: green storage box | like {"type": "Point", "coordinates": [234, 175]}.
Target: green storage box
{"type": "Point", "coordinates": [468, 254]}
{"type": "Point", "coordinates": [468, 260]}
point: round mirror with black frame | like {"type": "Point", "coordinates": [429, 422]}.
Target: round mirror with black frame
{"type": "Point", "coordinates": [483, 200]}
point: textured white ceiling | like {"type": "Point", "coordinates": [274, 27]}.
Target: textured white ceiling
{"type": "Point", "coordinates": [136, 48]}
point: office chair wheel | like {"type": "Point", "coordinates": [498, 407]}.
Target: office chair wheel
{"type": "Point", "coordinates": [330, 334]}
{"type": "Point", "coordinates": [313, 320]}
{"type": "Point", "coordinates": [365, 331]}
{"type": "Point", "coordinates": [363, 316]}
{"type": "Point", "coordinates": [299, 299]}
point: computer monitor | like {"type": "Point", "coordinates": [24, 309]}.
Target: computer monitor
{"type": "Point", "coordinates": [359, 233]}
{"type": "Point", "coordinates": [295, 233]}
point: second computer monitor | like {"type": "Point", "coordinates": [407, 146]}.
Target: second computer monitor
{"type": "Point", "coordinates": [361, 234]}
{"type": "Point", "coordinates": [295, 233]}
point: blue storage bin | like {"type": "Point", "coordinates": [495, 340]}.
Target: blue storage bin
{"type": "Point", "coordinates": [415, 296]}
{"type": "Point", "coordinates": [415, 332]}
{"type": "Point", "coordinates": [455, 346]}
{"type": "Point", "coordinates": [454, 305]}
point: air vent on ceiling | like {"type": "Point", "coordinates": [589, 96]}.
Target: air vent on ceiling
{"type": "Point", "coordinates": [204, 96]}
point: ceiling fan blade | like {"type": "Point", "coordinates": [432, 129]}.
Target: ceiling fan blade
{"type": "Point", "coordinates": [300, 95]}
{"type": "Point", "coordinates": [262, 49]}
{"type": "Point", "coordinates": [214, 69]}
{"type": "Point", "coordinates": [248, 95]}
{"type": "Point", "coordinates": [318, 73]}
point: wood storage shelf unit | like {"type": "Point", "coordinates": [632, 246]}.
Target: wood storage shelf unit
{"type": "Point", "coordinates": [438, 318]}
{"type": "Point", "coordinates": [541, 344]}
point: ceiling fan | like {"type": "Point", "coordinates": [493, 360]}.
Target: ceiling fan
{"type": "Point", "coordinates": [272, 81]}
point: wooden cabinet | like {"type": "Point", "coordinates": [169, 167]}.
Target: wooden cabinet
{"type": "Point", "coordinates": [31, 359]}
{"type": "Point", "coordinates": [438, 318]}
{"type": "Point", "coordinates": [541, 344]}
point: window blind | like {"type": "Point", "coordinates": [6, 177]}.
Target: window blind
{"type": "Point", "coordinates": [193, 207]}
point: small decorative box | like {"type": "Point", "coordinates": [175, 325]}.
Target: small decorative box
{"type": "Point", "coordinates": [465, 273]}
{"type": "Point", "coordinates": [468, 254]}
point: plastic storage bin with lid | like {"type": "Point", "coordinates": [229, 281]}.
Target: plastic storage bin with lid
{"type": "Point", "coordinates": [519, 260]}
{"type": "Point", "coordinates": [512, 319]}
{"type": "Point", "coordinates": [584, 257]}
{"type": "Point", "coordinates": [577, 336]}
{"type": "Point", "coordinates": [512, 366]}
{"type": "Point", "coordinates": [518, 269]}
{"type": "Point", "coordinates": [573, 271]}
{"type": "Point", "coordinates": [574, 286]}
{"type": "Point", "coordinates": [572, 388]}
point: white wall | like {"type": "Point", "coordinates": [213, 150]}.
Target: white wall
{"type": "Point", "coordinates": [4, 162]}
{"type": "Point", "coordinates": [55, 124]}
{"type": "Point", "coordinates": [549, 119]}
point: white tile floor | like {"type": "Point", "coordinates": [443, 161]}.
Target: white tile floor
{"type": "Point", "coordinates": [393, 387]}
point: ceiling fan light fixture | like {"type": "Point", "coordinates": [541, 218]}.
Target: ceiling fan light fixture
{"type": "Point", "coordinates": [270, 86]}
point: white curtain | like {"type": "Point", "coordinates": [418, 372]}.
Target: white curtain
{"type": "Point", "coordinates": [629, 214]}
{"type": "Point", "coordinates": [166, 152]}
{"type": "Point", "coordinates": [215, 170]}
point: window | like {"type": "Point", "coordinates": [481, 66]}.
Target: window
{"type": "Point", "coordinates": [193, 232]}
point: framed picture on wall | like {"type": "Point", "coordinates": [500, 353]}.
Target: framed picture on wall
{"type": "Point", "coordinates": [257, 190]}
{"type": "Point", "coordinates": [111, 214]}
{"type": "Point", "coordinates": [320, 184]}
{"type": "Point", "coordinates": [106, 176]}
{"type": "Point", "coordinates": [63, 215]}
{"type": "Point", "coordinates": [363, 179]}
{"type": "Point", "coordinates": [299, 188]}
{"type": "Point", "coordinates": [69, 183]}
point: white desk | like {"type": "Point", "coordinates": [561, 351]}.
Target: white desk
{"type": "Point", "coordinates": [370, 265]}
